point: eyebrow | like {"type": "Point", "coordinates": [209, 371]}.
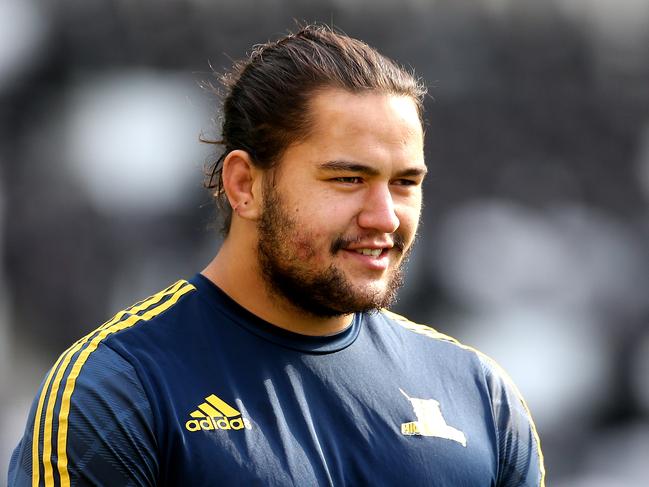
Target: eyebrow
{"type": "Point", "coordinates": [357, 167]}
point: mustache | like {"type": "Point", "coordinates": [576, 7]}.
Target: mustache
{"type": "Point", "coordinates": [341, 242]}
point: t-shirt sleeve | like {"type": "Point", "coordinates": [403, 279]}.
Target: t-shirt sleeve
{"type": "Point", "coordinates": [520, 460]}
{"type": "Point", "coordinates": [90, 424]}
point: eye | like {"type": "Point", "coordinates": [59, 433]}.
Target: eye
{"type": "Point", "coordinates": [349, 180]}
{"type": "Point", "coordinates": [405, 182]}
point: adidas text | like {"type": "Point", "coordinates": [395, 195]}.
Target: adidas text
{"type": "Point", "coordinates": [215, 423]}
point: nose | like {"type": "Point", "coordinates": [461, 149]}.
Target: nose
{"type": "Point", "coordinates": [378, 212]}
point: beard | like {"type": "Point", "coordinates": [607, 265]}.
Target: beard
{"type": "Point", "coordinates": [284, 257]}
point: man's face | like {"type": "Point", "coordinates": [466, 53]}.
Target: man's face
{"type": "Point", "coordinates": [342, 207]}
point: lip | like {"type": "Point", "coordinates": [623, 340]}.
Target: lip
{"type": "Point", "coordinates": [370, 245]}
{"type": "Point", "coordinates": [379, 263]}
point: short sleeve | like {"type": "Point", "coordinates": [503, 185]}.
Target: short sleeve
{"type": "Point", "coordinates": [90, 424]}
{"type": "Point", "coordinates": [520, 460]}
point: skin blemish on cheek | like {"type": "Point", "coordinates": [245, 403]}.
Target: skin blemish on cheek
{"type": "Point", "coordinates": [304, 248]}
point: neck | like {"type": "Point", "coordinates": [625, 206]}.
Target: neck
{"type": "Point", "coordinates": [239, 276]}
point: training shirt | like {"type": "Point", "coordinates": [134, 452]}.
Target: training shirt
{"type": "Point", "coordinates": [189, 388]}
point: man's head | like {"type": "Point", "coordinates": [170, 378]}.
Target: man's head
{"type": "Point", "coordinates": [323, 164]}
{"type": "Point", "coordinates": [266, 105]}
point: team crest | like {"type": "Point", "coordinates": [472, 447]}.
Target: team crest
{"type": "Point", "coordinates": [430, 421]}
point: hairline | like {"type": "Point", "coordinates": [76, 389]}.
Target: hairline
{"type": "Point", "coordinates": [329, 86]}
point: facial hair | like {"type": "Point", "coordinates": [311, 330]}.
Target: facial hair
{"type": "Point", "coordinates": [286, 260]}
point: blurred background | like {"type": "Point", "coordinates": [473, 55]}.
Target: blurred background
{"type": "Point", "coordinates": [534, 240]}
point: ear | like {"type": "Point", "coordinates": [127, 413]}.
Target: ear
{"type": "Point", "coordinates": [241, 183]}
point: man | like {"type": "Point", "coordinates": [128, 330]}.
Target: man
{"type": "Point", "coordinates": [278, 364]}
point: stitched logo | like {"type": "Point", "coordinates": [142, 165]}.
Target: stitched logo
{"type": "Point", "coordinates": [430, 421]}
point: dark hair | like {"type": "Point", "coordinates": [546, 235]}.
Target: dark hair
{"type": "Point", "coordinates": [265, 108]}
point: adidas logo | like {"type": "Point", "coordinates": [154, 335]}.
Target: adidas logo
{"type": "Point", "coordinates": [216, 414]}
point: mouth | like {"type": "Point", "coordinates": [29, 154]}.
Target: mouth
{"type": "Point", "coordinates": [369, 246]}
{"type": "Point", "coordinates": [370, 252]}
{"type": "Point", "coordinates": [369, 258]}
{"type": "Point", "coordinates": [376, 253]}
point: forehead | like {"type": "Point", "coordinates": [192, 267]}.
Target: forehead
{"type": "Point", "coordinates": [373, 128]}
{"type": "Point", "coordinates": [342, 114]}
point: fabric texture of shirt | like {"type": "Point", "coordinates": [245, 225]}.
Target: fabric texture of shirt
{"type": "Point", "coordinates": [189, 388]}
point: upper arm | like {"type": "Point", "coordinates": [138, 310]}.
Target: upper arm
{"type": "Point", "coordinates": [520, 457]}
{"type": "Point", "coordinates": [91, 423]}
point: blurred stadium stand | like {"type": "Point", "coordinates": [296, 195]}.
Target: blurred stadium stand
{"type": "Point", "coordinates": [535, 232]}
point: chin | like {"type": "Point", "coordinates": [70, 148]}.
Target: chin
{"type": "Point", "coordinates": [371, 285]}
{"type": "Point", "coordinates": [371, 292]}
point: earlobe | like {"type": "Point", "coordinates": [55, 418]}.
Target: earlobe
{"type": "Point", "coordinates": [239, 181]}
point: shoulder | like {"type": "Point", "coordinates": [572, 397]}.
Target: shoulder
{"type": "Point", "coordinates": [152, 309]}
{"type": "Point", "coordinates": [418, 328]}
{"type": "Point", "coordinates": [520, 450]}
{"type": "Point", "coordinates": [429, 334]}
{"type": "Point", "coordinates": [103, 358]}
{"type": "Point", "coordinates": [94, 385]}
{"type": "Point", "coordinates": [92, 358]}
{"type": "Point", "coordinates": [72, 422]}
{"type": "Point", "coordinates": [496, 377]}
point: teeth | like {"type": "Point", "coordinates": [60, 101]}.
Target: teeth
{"type": "Point", "coordinates": [373, 252]}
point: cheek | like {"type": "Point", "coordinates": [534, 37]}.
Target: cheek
{"type": "Point", "coordinates": [409, 220]}
{"type": "Point", "coordinates": [304, 249]}
{"type": "Point", "coordinates": [316, 226]}
{"type": "Point", "coordinates": [310, 246]}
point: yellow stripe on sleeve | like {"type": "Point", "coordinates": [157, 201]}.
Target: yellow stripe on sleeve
{"type": "Point", "coordinates": [511, 383]}
{"type": "Point", "coordinates": [62, 463]}
{"type": "Point", "coordinates": [36, 465]}
{"type": "Point", "coordinates": [57, 372]}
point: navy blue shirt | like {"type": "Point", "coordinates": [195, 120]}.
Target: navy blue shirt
{"type": "Point", "coordinates": [189, 388]}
